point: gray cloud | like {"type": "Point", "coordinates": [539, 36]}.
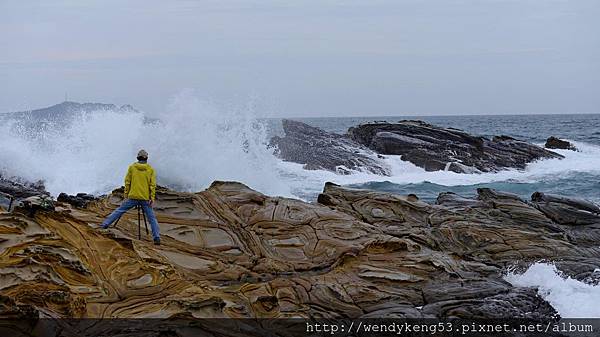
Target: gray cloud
{"type": "Point", "coordinates": [307, 58]}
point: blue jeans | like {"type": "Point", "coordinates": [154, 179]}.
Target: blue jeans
{"type": "Point", "coordinates": [129, 204]}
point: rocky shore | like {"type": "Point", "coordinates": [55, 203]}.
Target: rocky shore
{"type": "Point", "coordinates": [230, 251]}
{"type": "Point", "coordinates": [320, 150]}
{"type": "Point", "coordinates": [21, 189]}
{"type": "Point", "coordinates": [430, 147]}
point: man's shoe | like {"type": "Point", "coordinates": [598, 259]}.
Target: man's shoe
{"type": "Point", "coordinates": [157, 241]}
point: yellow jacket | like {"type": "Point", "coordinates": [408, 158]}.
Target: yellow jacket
{"type": "Point", "coordinates": [140, 182]}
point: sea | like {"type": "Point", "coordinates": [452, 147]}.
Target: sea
{"type": "Point", "coordinates": [194, 142]}
{"type": "Point", "coordinates": [577, 175]}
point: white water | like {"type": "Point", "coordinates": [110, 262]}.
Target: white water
{"type": "Point", "coordinates": [586, 160]}
{"type": "Point", "coordinates": [198, 142]}
{"type": "Point", "coordinates": [571, 298]}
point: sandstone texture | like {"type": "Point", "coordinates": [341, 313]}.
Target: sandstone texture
{"type": "Point", "coordinates": [230, 251]}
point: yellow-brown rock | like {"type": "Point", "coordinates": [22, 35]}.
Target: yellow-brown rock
{"type": "Point", "coordinates": [230, 251]}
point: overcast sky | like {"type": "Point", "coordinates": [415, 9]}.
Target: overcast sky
{"type": "Point", "coordinates": [306, 58]}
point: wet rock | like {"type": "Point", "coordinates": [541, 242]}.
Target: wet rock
{"type": "Point", "coordinates": [430, 147]}
{"type": "Point", "coordinates": [436, 148]}
{"type": "Point", "coordinates": [79, 200]}
{"type": "Point", "coordinates": [512, 302]}
{"type": "Point", "coordinates": [556, 143]}
{"type": "Point", "coordinates": [20, 189]}
{"type": "Point", "coordinates": [584, 269]}
{"type": "Point", "coordinates": [321, 150]}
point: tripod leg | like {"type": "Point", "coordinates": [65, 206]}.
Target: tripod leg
{"type": "Point", "coordinates": [115, 223]}
{"type": "Point", "coordinates": [139, 223]}
{"type": "Point", "coordinates": [145, 222]}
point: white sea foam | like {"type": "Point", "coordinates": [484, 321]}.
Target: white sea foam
{"type": "Point", "coordinates": [570, 297]}
{"type": "Point", "coordinates": [586, 160]}
{"type": "Point", "coordinates": [197, 142]}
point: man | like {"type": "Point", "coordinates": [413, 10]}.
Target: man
{"type": "Point", "coordinates": [140, 189]}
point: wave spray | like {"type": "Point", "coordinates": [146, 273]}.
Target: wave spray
{"type": "Point", "coordinates": [192, 143]}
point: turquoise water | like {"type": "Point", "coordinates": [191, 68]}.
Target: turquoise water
{"type": "Point", "coordinates": [190, 150]}
{"type": "Point", "coordinates": [577, 175]}
{"type": "Point", "coordinates": [580, 185]}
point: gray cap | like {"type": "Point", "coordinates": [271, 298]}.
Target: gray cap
{"type": "Point", "coordinates": [142, 153]}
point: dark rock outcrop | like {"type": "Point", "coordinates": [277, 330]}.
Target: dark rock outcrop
{"type": "Point", "coordinates": [79, 200]}
{"type": "Point", "coordinates": [230, 251]}
{"type": "Point", "coordinates": [20, 189]}
{"type": "Point", "coordinates": [567, 210]}
{"type": "Point", "coordinates": [430, 147]}
{"type": "Point", "coordinates": [435, 148]}
{"type": "Point", "coordinates": [556, 143]}
{"type": "Point", "coordinates": [318, 149]}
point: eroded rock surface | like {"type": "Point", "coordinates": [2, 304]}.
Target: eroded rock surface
{"type": "Point", "coordinates": [230, 251]}
{"type": "Point", "coordinates": [436, 148]}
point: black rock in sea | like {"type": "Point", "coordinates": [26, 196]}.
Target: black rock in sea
{"type": "Point", "coordinates": [556, 143]}
{"type": "Point", "coordinates": [318, 149]}
{"type": "Point", "coordinates": [430, 147]}
{"type": "Point", "coordinates": [20, 189]}
{"type": "Point", "coordinates": [436, 148]}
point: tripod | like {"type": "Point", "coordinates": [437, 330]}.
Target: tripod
{"type": "Point", "coordinates": [140, 213]}
{"type": "Point", "coordinates": [10, 198]}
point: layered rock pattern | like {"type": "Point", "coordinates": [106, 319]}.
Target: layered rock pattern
{"type": "Point", "coordinates": [427, 146]}
{"type": "Point", "coordinates": [436, 148]}
{"type": "Point", "coordinates": [320, 150]}
{"type": "Point", "coordinates": [230, 251]}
